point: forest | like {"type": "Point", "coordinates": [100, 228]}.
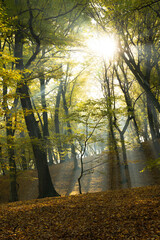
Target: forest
{"type": "Point", "coordinates": [80, 93]}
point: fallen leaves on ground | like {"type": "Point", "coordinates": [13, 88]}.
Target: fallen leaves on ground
{"type": "Point", "coordinates": [118, 214]}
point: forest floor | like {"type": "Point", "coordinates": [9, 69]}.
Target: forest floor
{"type": "Point", "coordinates": [98, 176]}
{"type": "Point", "coordinates": [117, 214]}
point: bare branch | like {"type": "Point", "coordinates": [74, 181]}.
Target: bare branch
{"type": "Point", "coordinates": [65, 13]}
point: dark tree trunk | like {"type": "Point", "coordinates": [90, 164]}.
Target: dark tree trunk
{"type": "Point", "coordinates": [12, 163]}
{"type": "Point", "coordinates": [10, 144]}
{"type": "Point", "coordinates": [81, 174]}
{"type": "Point", "coordinates": [45, 186]}
{"type": "Point", "coordinates": [23, 157]}
{"type": "Point", "coordinates": [152, 128]}
{"type": "Point", "coordinates": [13, 175]}
{"type": "Point", "coordinates": [142, 79]}
{"type": "Point", "coordinates": [24, 160]}
{"type": "Point", "coordinates": [1, 162]}
{"type": "Point", "coordinates": [50, 156]}
{"type": "Point", "coordinates": [124, 152]}
{"type": "Point", "coordinates": [125, 89]}
{"type": "Point", "coordinates": [156, 122]}
{"type": "Point", "coordinates": [111, 157]}
{"type": "Point", "coordinates": [145, 122]}
{"type": "Point", "coordinates": [150, 119]}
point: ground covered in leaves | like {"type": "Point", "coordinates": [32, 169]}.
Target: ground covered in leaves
{"type": "Point", "coordinates": [118, 214]}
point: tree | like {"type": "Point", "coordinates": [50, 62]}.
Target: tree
{"type": "Point", "coordinates": [9, 100]}
{"type": "Point", "coordinates": [138, 45]}
{"type": "Point", "coordinates": [88, 127]}
{"type": "Point", "coordinates": [29, 28]}
{"type": "Point", "coordinates": [112, 141]}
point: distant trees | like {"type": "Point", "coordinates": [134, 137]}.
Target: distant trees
{"type": "Point", "coordinates": [9, 100]}
{"type": "Point", "coordinates": [139, 48]}
{"type": "Point", "coordinates": [136, 29]}
{"type": "Point", "coordinates": [31, 31]}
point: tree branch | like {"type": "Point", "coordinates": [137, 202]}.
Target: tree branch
{"type": "Point", "coordinates": [65, 13]}
{"type": "Point", "coordinates": [36, 37]}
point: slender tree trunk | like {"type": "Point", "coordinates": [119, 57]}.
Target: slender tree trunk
{"type": "Point", "coordinates": [56, 121]}
{"type": "Point", "coordinates": [125, 89]}
{"type": "Point", "coordinates": [124, 152]}
{"type": "Point", "coordinates": [23, 157]}
{"type": "Point", "coordinates": [145, 123]}
{"type": "Point", "coordinates": [69, 131]}
{"type": "Point", "coordinates": [112, 138]}
{"type": "Point", "coordinates": [13, 176]}
{"type": "Point", "coordinates": [146, 136]}
{"type": "Point", "coordinates": [136, 130]}
{"type": "Point", "coordinates": [12, 163]}
{"type": "Point", "coordinates": [74, 156]}
{"type": "Point", "coordinates": [150, 119]}
{"type": "Point", "coordinates": [10, 144]}
{"type": "Point", "coordinates": [81, 174]}
{"type": "Point", "coordinates": [45, 117]}
{"type": "Point", "coordinates": [3, 168]}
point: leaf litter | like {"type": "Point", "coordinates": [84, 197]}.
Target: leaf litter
{"type": "Point", "coordinates": [117, 214]}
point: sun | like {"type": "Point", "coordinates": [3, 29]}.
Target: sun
{"type": "Point", "coordinates": [104, 46]}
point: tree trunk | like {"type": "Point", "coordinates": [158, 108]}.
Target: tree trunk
{"type": "Point", "coordinates": [127, 174]}
{"type": "Point", "coordinates": [124, 153]}
{"type": "Point", "coordinates": [45, 117]}
{"type": "Point", "coordinates": [69, 130]}
{"type": "Point", "coordinates": [156, 122]}
{"type": "Point", "coordinates": [1, 162]}
{"type": "Point", "coordinates": [142, 81]}
{"type": "Point", "coordinates": [23, 157]}
{"type": "Point", "coordinates": [152, 128]}
{"type": "Point", "coordinates": [145, 123]}
{"type": "Point", "coordinates": [10, 144]}
{"type": "Point", "coordinates": [12, 163]}
{"type": "Point", "coordinates": [45, 186]}
{"type": "Point", "coordinates": [112, 138]}
{"type": "Point", "coordinates": [146, 136]}
{"type": "Point", "coordinates": [13, 175]}
{"type": "Point", "coordinates": [56, 121]}
{"type": "Point", "coordinates": [136, 129]}
{"type": "Point", "coordinates": [81, 174]}
{"type": "Point", "coordinates": [128, 100]}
